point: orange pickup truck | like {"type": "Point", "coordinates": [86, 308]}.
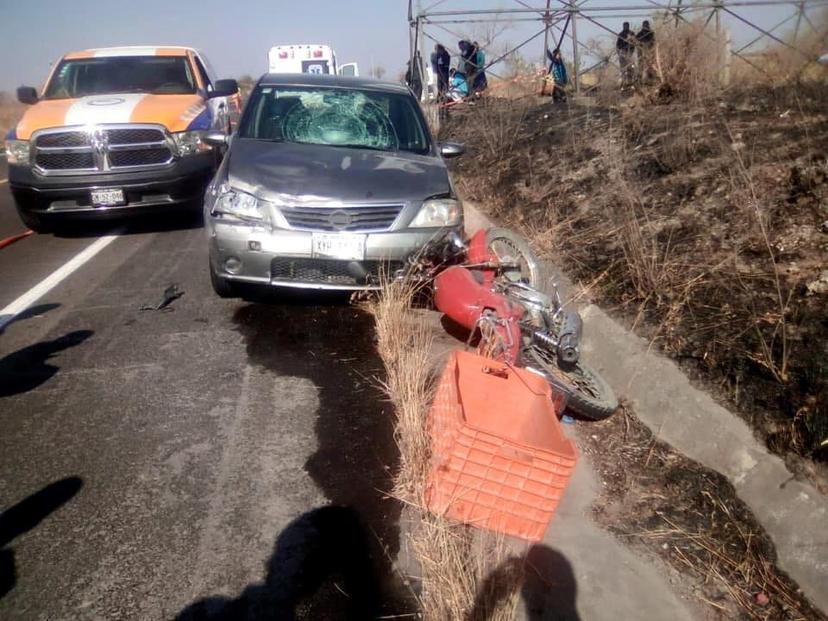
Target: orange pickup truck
{"type": "Point", "coordinates": [117, 131]}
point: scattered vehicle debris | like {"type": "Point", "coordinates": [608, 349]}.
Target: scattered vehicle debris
{"type": "Point", "coordinates": [171, 294]}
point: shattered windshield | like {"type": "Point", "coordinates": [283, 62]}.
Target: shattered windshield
{"type": "Point", "coordinates": [167, 75]}
{"type": "Point", "coordinates": [335, 117]}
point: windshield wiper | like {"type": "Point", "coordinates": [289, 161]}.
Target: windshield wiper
{"type": "Point", "coordinates": [357, 146]}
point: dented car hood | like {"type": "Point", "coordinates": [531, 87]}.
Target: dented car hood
{"type": "Point", "coordinates": [290, 173]}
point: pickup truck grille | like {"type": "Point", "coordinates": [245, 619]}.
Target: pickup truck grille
{"type": "Point", "coordinates": [357, 218]}
{"type": "Point", "coordinates": [101, 148]}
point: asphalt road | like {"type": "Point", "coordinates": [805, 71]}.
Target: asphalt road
{"type": "Point", "coordinates": [221, 459]}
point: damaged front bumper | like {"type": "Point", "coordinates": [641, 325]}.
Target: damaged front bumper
{"type": "Point", "coordinates": [256, 254]}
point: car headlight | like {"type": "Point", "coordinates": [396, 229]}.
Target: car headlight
{"type": "Point", "coordinates": [190, 143]}
{"type": "Point", "coordinates": [238, 204]}
{"type": "Point", "coordinates": [438, 212]}
{"type": "Point", "coordinates": [17, 151]}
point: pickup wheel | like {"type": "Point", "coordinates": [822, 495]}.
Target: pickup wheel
{"type": "Point", "coordinates": [223, 287]}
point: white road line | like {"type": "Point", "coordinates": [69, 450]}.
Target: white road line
{"type": "Point", "coordinates": [50, 282]}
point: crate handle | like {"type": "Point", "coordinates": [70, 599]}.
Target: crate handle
{"type": "Point", "coordinates": [501, 372]}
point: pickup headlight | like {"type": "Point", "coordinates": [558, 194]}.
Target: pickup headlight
{"type": "Point", "coordinates": [18, 152]}
{"type": "Point", "coordinates": [438, 212]}
{"type": "Point", "coordinates": [190, 143]}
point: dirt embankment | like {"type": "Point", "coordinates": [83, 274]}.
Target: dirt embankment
{"type": "Point", "coordinates": [703, 226]}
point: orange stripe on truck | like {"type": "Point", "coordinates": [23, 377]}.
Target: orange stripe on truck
{"type": "Point", "coordinates": [170, 51]}
{"type": "Point", "coordinates": [81, 54]}
{"type": "Point", "coordinates": [47, 113]}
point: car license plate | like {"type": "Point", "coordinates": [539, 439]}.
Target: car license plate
{"type": "Point", "coordinates": [339, 246]}
{"type": "Point", "coordinates": [107, 198]}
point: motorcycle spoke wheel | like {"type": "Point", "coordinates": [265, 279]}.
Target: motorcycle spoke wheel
{"type": "Point", "coordinates": [510, 248]}
{"type": "Point", "coordinates": [588, 393]}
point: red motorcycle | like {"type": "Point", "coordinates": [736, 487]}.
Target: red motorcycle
{"type": "Point", "coordinates": [493, 286]}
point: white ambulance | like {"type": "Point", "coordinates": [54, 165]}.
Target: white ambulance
{"type": "Point", "coordinates": [307, 59]}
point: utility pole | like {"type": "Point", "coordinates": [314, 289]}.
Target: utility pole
{"type": "Point", "coordinates": [545, 34]}
{"type": "Point", "coordinates": [576, 65]}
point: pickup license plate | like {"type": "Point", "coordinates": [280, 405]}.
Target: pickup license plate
{"type": "Point", "coordinates": [339, 246]}
{"type": "Point", "coordinates": [107, 198]}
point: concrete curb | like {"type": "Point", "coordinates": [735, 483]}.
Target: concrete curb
{"type": "Point", "coordinates": [793, 513]}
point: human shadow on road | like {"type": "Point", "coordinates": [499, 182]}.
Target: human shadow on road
{"type": "Point", "coordinates": [330, 343]}
{"type": "Point", "coordinates": [26, 515]}
{"type": "Point", "coordinates": [546, 582]}
{"type": "Point", "coordinates": [32, 311]}
{"type": "Point", "coordinates": [28, 368]}
{"type": "Point", "coordinates": [549, 590]}
{"type": "Point", "coordinates": [320, 568]}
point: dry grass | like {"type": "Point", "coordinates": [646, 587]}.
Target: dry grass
{"type": "Point", "coordinates": [660, 500]}
{"type": "Point", "coordinates": [464, 573]}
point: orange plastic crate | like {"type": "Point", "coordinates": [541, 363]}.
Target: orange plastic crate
{"type": "Point", "coordinates": [500, 460]}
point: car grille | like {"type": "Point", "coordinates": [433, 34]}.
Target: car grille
{"type": "Point", "coordinates": [330, 272]}
{"type": "Point", "coordinates": [101, 148]}
{"type": "Point", "coordinates": [356, 218]}
{"type": "Point", "coordinates": [65, 161]}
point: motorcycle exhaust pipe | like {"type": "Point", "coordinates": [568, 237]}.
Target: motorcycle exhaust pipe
{"type": "Point", "coordinates": [569, 341]}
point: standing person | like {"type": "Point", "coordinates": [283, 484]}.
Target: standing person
{"type": "Point", "coordinates": [625, 46]}
{"type": "Point", "coordinates": [646, 43]}
{"type": "Point", "coordinates": [557, 70]}
{"type": "Point", "coordinates": [440, 61]}
{"type": "Point", "coordinates": [467, 53]}
{"type": "Point", "coordinates": [480, 82]}
{"type": "Point", "coordinates": [413, 78]}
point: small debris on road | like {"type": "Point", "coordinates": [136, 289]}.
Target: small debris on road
{"type": "Point", "coordinates": [171, 294]}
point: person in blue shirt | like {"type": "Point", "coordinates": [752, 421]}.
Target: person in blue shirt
{"type": "Point", "coordinates": [458, 85]}
{"type": "Point", "coordinates": [557, 71]}
{"type": "Point", "coordinates": [480, 82]}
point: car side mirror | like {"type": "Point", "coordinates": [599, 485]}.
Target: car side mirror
{"type": "Point", "coordinates": [27, 95]}
{"type": "Point", "coordinates": [451, 149]}
{"type": "Point", "coordinates": [216, 139]}
{"type": "Point", "coordinates": [224, 88]}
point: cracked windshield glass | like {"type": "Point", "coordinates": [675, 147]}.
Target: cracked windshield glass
{"type": "Point", "coordinates": [335, 117]}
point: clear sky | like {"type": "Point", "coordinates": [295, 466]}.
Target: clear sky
{"type": "Point", "coordinates": [236, 34]}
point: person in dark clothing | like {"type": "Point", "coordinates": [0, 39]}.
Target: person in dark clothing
{"type": "Point", "coordinates": [557, 71]}
{"type": "Point", "coordinates": [467, 58]}
{"type": "Point", "coordinates": [625, 46]}
{"type": "Point", "coordinates": [413, 78]}
{"type": "Point", "coordinates": [440, 62]}
{"type": "Point", "coordinates": [480, 82]}
{"type": "Point", "coordinates": [646, 42]}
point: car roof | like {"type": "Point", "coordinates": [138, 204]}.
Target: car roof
{"type": "Point", "coordinates": [131, 50]}
{"type": "Point", "coordinates": [315, 79]}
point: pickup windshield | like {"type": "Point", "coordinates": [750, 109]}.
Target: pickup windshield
{"type": "Point", "coordinates": [336, 117]}
{"type": "Point", "coordinates": [168, 75]}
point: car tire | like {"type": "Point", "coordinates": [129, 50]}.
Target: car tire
{"type": "Point", "coordinates": [222, 286]}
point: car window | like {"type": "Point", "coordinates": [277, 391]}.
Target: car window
{"type": "Point", "coordinates": [121, 74]}
{"type": "Point", "coordinates": [208, 81]}
{"type": "Point", "coordinates": [335, 117]}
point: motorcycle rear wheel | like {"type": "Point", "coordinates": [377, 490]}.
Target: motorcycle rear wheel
{"type": "Point", "coordinates": [588, 393]}
{"type": "Point", "coordinates": [509, 247]}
